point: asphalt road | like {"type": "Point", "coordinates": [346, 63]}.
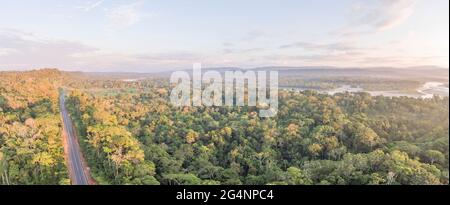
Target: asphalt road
{"type": "Point", "coordinates": [76, 171]}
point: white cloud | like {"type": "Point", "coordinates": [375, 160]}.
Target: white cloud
{"type": "Point", "coordinates": [93, 5]}
{"type": "Point", "coordinates": [341, 46]}
{"type": "Point", "coordinates": [255, 34]}
{"type": "Point", "coordinates": [379, 15]}
{"type": "Point", "coordinates": [7, 51]}
{"type": "Point", "coordinates": [125, 15]}
{"type": "Point", "coordinates": [21, 49]}
{"type": "Point", "coordinates": [393, 13]}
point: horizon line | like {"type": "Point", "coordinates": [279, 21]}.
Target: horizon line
{"type": "Point", "coordinates": [229, 67]}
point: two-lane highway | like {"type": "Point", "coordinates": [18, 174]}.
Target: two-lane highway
{"type": "Point", "coordinates": [75, 163]}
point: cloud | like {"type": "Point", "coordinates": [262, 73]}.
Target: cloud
{"type": "Point", "coordinates": [377, 16]}
{"type": "Point", "coordinates": [7, 51]}
{"type": "Point", "coordinates": [353, 59]}
{"type": "Point", "coordinates": [350, 54]}
{"type": "Point", "coordinates": [391, 14]}
{"type": "Point", "coordinates": [327, 49]}
{"type": "Point", "coordinates": [125, 15]}
{"type": "Point", "coordinates": [241, 51]}
{"type": "Point", "coordinates": [21, 49]}
{"type": "Point", "coordinates": [93, 5]}
{"type": "Point", "coordinates": [23, 42]}
{"type": "Point", "coordinates": [320, 46]}
{"type": "Point", "coordinates": [143, 62]}
{"type": "Point", "coordinates": [254, 35]}
{"type": "Point", "coordinates": [227, 44]}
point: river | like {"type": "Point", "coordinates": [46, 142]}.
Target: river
{"type": "Point", "coordinates": [427, 90]}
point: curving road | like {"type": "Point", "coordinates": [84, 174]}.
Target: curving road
{"type": "Point", "coordinates": [75, 164]}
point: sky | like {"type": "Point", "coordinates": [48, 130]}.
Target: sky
{"type": "Point", "coordinates": [150, 35]}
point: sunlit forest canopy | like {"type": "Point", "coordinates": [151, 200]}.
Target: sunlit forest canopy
{"type": "Point", "coordinates": [131, 134]}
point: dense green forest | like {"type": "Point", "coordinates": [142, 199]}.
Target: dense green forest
{"type": "Point", "coordinates": [131, 134]}
{"type": "Point", "coordinates": [31, 150]}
